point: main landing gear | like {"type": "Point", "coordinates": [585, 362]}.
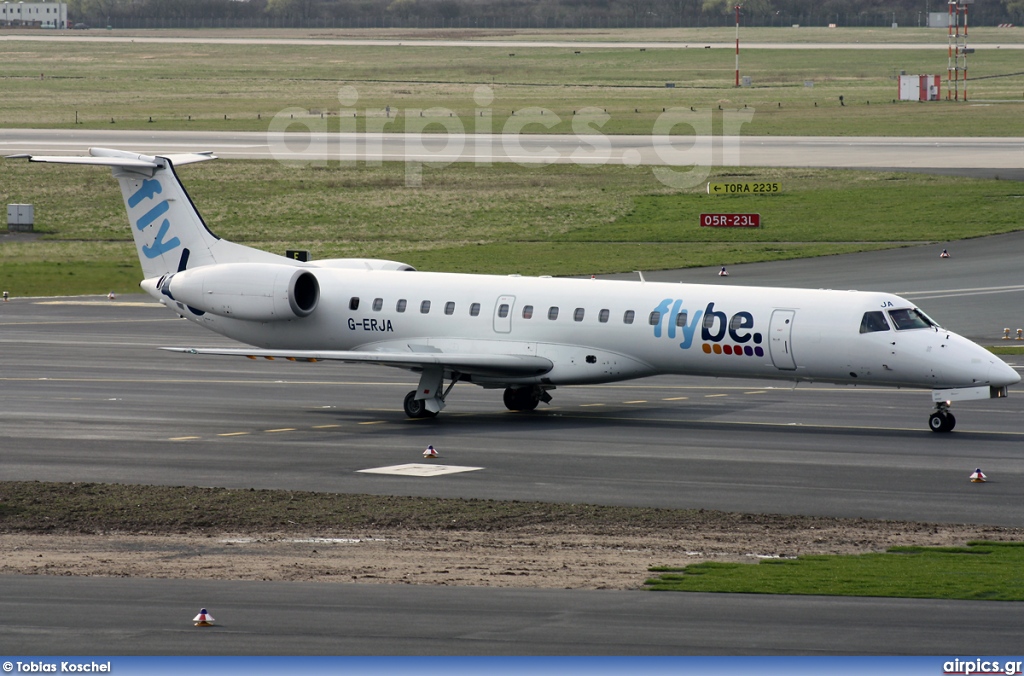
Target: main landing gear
{"type": "Point", "coordinates": [941, 420]}
{"type": "Point", "coordinates": [524, 398]}
{"type": "Point", "coordinates": [427, 400]}
{"type": "Point", "coordinates": [417, 408]}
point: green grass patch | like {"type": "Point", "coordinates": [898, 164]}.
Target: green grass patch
{"type": "Point", "coordinates": [1007, 349]}
{"type": "Point", "coordinates": [501, 219]}
{"type": "Point", "coordinates": [986, 571]}
{"type": "Point", "coordinates": [156, 86]}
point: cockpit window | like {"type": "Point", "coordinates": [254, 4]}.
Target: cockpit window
{"type": "Point", "coordinates": [911, 318]}
{"type": "Point", "coordinates": [873, 321]}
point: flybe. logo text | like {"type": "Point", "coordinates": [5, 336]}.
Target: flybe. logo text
{"type": "Point", "coordinates": [719, 332]}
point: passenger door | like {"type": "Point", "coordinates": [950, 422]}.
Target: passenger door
{"type": "Point", "coordinates": [503, 314]}
{"type": "Point", "coordinates": [780, 343]}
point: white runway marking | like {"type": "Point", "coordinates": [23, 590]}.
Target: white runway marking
{"type": "Point", "coordinates": [419, 469]}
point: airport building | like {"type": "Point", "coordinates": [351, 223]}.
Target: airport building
{"type": "Point", "coordinates": [34, 14]}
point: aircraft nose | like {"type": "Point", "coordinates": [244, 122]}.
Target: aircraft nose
{"type": "Point", "coordinates": [1001, 374]}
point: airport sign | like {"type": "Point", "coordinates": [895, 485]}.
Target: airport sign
{"type": "Point", "coordinates": [730, 220]}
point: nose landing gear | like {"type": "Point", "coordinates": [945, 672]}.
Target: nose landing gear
{"type": "Point", "coordinates": [941, 420]}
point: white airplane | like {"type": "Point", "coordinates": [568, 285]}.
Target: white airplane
{"type": "Point", "coordinates": [526, 335]}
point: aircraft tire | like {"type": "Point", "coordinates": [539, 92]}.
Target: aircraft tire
{"type": "Point", "coordinates": [520, 399]}
{"type": "Point", "coordinates": [414, 408]}
{"type": "Point", "coordinates": [940, 421]}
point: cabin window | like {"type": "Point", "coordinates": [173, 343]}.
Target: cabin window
{"type": "Point", "coordinates": [424, 307]}
{"type": "Point", "coordinates": [873, 321]}
{"type": "Point", "coordinates": [503, 310]}
{"type": "Point", "coordinates": [603, 315]}
{"type": "Point", "coordinates": [680, 319]}
{"type": "Point", "coordinates": [552, 313]}
{"type": "Point", "coordinates": [527, 312]}
{"type": "Point", "coordinates": [400, 305]}
{"type": "Point", "coordinates": [910, 319]}
{"type": "Point", "coordinates": [449, 308]}
{"type": "Point", "coordinates": [628, 317]}
{"type": "Point", "coordinates": [654, 319]}
{"type": "Point", "coordinates": [709, 321]}
{"type": "Point", "coordinates": [474, 310]}
{"type": "Point", "coordinates": [353, 303]}
{"type": "Point", "coordinates": [378, 303]}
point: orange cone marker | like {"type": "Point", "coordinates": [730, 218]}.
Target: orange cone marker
{"type": "Point", "coordinates": [978, 477]}
{"type": "Point", "coordinates": [430, 452]}
{"type": "Point", "coordinates": [203, 619]}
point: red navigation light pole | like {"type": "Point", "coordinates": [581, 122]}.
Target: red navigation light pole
{"type": "Point", "coordinates": [738, 45]}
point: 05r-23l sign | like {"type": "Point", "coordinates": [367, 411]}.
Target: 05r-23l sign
{"type": "Point", "coordinates": [730, 220]}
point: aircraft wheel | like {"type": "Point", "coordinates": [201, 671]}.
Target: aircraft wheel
{"type": "Point", "coordinates": [414, 408]}
{"type": "Point", "coordinates": [941, 421]}
{"type": "Point", "coordinates": [520, 399]}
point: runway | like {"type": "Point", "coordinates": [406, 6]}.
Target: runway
{"type": "Point", "coordinates": [974, 156]}
{"type": "Point", "coordinates": [484, 43]}
{"type": "Point", "coordinates": [87, 396]}
{"type": "Point", "coordinates": [76, 616]}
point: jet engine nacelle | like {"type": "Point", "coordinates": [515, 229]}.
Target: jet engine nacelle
{"type": "Point", "coordinates": [263, 292]}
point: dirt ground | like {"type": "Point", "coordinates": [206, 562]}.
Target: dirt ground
{"type": "Point", "coordinates": [535, 556]}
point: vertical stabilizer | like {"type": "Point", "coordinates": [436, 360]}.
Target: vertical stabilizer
{"type": "Point", "coordinates": [169, 233]}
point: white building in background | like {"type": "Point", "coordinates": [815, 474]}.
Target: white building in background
{"type": "Point", "coordinates": [42, 14]}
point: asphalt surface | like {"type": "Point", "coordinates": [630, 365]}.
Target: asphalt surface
{"type": "Point", "coordinates": [79, 37]}
{"type": "Point", "coordinates": [87, 396]}
{"type": "Point", "coordinates": [79, 616]}
{"type": "Point", "coordinates": [975, 156]}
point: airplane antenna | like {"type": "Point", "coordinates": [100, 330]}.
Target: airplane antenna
{"type": "Point", "coordinates": [641, 273]}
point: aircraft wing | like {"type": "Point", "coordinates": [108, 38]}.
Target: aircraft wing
{"type": "Point", "coordinates": [470, 364]}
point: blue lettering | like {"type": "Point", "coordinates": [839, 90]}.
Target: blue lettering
{"type": "Point", "coordinates": [690, 329]}
{"type": "Point", "coordinates": [741, 320]}
{"type": "Point", "coordinates": [672, 319]}
{"type": "Point", "coordinates": [150, 188]}
{"type": "Point", "coordinates": [663, 310]}
{"type": "Point", "coordinates": [715, 318]}
{"type": "Point", "coordinates": [716, 325]}
{"type": "Point", "coordinates": [161, 247]}
{"type": "Point", "coordinates": [153, 214]}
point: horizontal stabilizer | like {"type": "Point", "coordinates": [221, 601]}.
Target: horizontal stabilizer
{"type": "Point", "coordinates": [106, 157]}
{"type": "Point", "coordinates": [479, 364]}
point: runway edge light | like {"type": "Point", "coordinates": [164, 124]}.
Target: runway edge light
{"type": "Point", "coordinates": [978, 477]}
{"type": "Point", "coordinates": [430, 452]}
{"type": "Point", "coordinates": [203, 619]}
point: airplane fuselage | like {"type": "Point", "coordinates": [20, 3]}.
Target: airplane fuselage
{"type": "Point", "coordinates": [605, 330]}
{"type": "Point", "coordinates": [525, 334]}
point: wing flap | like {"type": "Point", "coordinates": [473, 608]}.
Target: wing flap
{"type": "Point", "coordinates": [478, 364]}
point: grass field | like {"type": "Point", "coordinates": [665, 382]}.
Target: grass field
{"type": "Point", "coordinates": [242, 86]}
{"type": "Point", "coordinates": [559, 220]}
{"type": "Point", "coordinates": [552, 220]}
{"type": "Point", "coordinates": [982, 571]}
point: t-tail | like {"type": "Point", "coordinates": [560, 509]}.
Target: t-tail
{"type": "Point", "coordinates": [169, 233]}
